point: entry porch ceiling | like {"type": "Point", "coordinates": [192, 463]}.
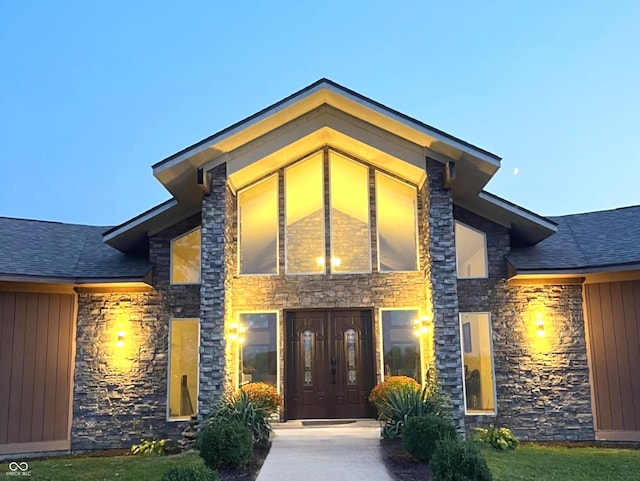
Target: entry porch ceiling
{"type": "Point", "coordinates": [322, 114]}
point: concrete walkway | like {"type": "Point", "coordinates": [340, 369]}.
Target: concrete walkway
{"type": "Point", "coordinates": [325, 453]}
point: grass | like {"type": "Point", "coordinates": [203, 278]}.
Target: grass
{"type": "Point", "coordinates": [542, 463]}
{"type": "Point", "coordinates": [121, 468]}
{"type": "Point", "coordinates": [528, 463]}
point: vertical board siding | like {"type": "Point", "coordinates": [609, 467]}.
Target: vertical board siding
{"type": "Point", "coordinates": [613, 313]}
{"type": "Point", "coordinates": [6, 356]}
{"type": "Point", "coordinates": [36, 343]}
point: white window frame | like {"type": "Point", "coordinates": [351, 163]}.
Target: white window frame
{"type": "Point", "coordinates": [381, 341]}
{"type": "Point", "coordinates": [493, 367]}
{"type": "Point", "coordinates": [199, 260]}
{"type": "Point", "coordinates": [415, 217]}
{"type": "Point", "coordinates": [278, 353]}
{"type": "Point", "coordinates": [268, 177]}
{"type": "Point", "coordinates": [181, 418]}
{"type": "Point", "coordinates": [324, 222]}
{"type": "Point", "coordinates": [486, 252]}
{"type": "Point", "coordinates": [330, 208]}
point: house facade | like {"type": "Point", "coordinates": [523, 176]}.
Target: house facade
{"type": "Point", "coordinates": [320, 245]}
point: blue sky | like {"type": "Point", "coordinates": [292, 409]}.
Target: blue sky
{"type": "Point", "coordinates": [93, 93]}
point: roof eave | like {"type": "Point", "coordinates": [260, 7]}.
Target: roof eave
{"type": "Point", "coordinates": [306, 92]}
{"type": "Point", "coordinates": [75, 281]}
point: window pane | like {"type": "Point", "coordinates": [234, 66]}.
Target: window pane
{"type": "Point", "coordinates": [185, 258]}
{"type": "Point", "coordinates": [396, 211]}
{"type": "Point", "coordinates": [305, 216]}
{"type": "Point", "coordinates": [477, 360]}
{"type": "Point", "coordinates": [471, 252]}
{"type": "Point", "coordinates": [259, 355]}
{"type": "Point", "coordinates": [258, 224]}
{"type": "Point", "coordinates": [350, 235]}
{"type": "Point", "coordinates": [183, 368]}
{"type": "Point", "coordinates": [400, 345]}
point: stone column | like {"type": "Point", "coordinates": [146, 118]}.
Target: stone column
{"type": "Point", "coordinates": [443, 279]}
{"type": "Point", "coordinates": [212, 293]}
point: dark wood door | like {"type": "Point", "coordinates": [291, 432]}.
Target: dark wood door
{"type": "Point", "coordinates": [329, 364]}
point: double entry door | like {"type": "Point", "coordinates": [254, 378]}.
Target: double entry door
{"type": "Point", "coordinates": [329, 364]}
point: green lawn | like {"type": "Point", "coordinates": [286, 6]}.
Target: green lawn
{"type": "Point", "coordinates": [528, 463]}
{"type": "Point", "coordinates": [539, 463]}
{"type": "Point", "coordinates": [121, 468]}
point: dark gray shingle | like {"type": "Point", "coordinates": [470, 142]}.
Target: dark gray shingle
{"type": "Point", "coordinates": [53, 249]}
{"type": "Point", "coordinates": [590, 240]}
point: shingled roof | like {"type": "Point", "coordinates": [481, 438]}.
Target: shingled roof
{"type": "Point", "coordinates": [585, 241]}
{"type": "Point", "coordinates": [63, 251]}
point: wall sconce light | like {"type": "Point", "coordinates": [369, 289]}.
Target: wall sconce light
{"type": "Point", "coordinates": [422, 326]}
{"type": "Point", "coordinates": [120, 342]}
{"type": "Point", "coordinates": [237, 332]}
{"type": "Point", "coordinates": [539, 325]}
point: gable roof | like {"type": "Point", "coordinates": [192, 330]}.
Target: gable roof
{"type": "Point", "coordinates": [63, 252]}
{"type": "Point", "coordinates": [319, 115]}
{"type": "Point", "coordinates": [324, 83]}
{"type": "Point", "coordinates": [585, 243]}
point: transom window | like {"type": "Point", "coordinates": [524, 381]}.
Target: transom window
{"type": "Point", "coordinates": [471, 252]}
{"type": "Point", "coordinates": [258, 227]}
{"type": "Point", "coordinates": [350, 233]}
{"type": "Point", "coordinates": [185, 258]}
{"type": "Point", "coordinates": [397, 225]}
{"type": "Point", "coordinates": [477, 361]}
{"type": "Point", "coordinates": [327, 191]}
{"type": "Point", "coordinates": [304, 214]}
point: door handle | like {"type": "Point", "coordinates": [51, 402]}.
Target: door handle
{"type": "Point", "coordinates": [334, 363]}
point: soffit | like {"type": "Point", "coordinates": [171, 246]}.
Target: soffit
{"type": "Point", "coordinates": [323, 127]}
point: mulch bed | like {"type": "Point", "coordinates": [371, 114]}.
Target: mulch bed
{"type": "Point", "coordinates": [400, 465]}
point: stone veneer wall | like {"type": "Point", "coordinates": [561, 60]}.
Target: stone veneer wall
{"type": "Point", "coordinates": [120, 393]}
{"type": "Point", "coordinates": [280, 292]}
{"type": "Point", "coordinates": [441, 273]}
{"type": "Point", "coordinates": [214, 288]}
{"type": "Point", "coordinates": [542, 384]}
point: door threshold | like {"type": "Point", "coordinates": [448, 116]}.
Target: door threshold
{"type": "Point", "coordinates": [327, 423]}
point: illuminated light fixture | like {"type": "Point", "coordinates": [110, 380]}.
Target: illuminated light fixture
{"type": "Point", "coordinates": [120, 342]}
{"type": "Point", "coordinates": [237, 332]}
{"type": "Point", "coordinates": [539, 325]}
{"type": "Point", "coordinates": [335, 261]}
{"type": "Point", "coordinates": [422, 326]}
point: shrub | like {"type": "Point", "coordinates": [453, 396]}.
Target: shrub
{"type": "Point", "coordinates": [399, 398]}
{"type": "Point", "coordinates": [379, 393]}
{"type": "Point", "coordinates": [456, 460]}
{"type": "Point", "coordinates": [242, 409]}
{"type": "Point", "coordinates": [154, 446]}
{"type": "Point", "coordinates": [421, 434]}
{"type": "Point", "coordinates": [189, 473]}
{"type": "Point", "coordinates": [499, 438]}
{"type": "Point", "coordinates": [263, 395]}
{"type": "Point", "coordinates": [225, 442]}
